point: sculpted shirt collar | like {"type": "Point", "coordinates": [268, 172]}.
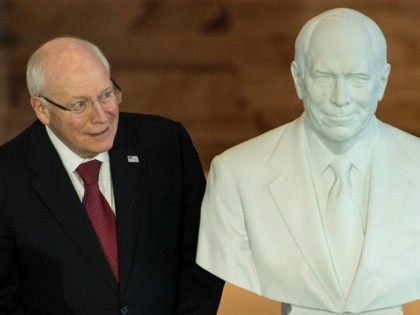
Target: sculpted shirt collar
{"type": "Point", "coordinates": [320, 156]}
{"type": "Point", "coordinates": [70, 159]}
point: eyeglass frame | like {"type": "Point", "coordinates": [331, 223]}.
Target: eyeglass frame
{"type": "Point", "coordinates": [68, 109]}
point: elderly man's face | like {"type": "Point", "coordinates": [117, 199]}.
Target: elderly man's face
{"type": "Point", "coordinates": [341, 83]}
{"type": "Point", "coordinates": [93, 131]}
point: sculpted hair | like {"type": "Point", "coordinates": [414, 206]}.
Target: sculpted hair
{"type": "Point", "coordinates": [303, 41]}
{"type": "Point", "coordinates": [35, 79]}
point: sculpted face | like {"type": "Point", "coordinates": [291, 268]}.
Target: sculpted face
{"type": "Point", "coordinates": [79, 75]}
{"type": "Point", "coordinates": [341, 82]}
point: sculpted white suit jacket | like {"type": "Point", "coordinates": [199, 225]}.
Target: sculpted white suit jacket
{"type": "Point", "coordinates": [261, 229]}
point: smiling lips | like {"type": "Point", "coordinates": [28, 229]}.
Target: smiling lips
{"type": "Point", "coordinates": [98, 134]}
{"type": "Point", "coordinates": [341, 118]}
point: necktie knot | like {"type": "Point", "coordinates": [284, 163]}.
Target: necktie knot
{"type": "Point", "coordinates": [89, 171]}
{"type": "Point", "coordinates": [341, 168]}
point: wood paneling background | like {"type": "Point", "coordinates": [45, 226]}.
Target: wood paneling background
{"type": "Point", "coordinates": [221, 67]}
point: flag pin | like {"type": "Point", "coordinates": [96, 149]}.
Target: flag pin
{"type": "Point", "coordinates": [133, 159]}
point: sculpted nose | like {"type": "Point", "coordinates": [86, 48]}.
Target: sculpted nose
{"type": "Point", "coordinates": [340, 96]}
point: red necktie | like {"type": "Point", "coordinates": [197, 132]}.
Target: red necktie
{"type": "Point", "coordinates": [101, 216]}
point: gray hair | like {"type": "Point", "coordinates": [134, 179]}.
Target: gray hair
{"type": "Point", "coordinates": [303, 40]}
{"type": "Point", "coordinates": [35, 79]}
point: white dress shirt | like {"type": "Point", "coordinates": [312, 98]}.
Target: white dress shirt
{"type": "Point", "coordinates": [71, 161]}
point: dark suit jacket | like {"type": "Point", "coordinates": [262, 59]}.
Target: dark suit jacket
{"type": "Point", "coordinates": [50, 259]}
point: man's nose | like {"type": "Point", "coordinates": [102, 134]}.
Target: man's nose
{"type": "Point", "coordinates": [98, 113]}
{"type": "Point", "coordinates": [340, 95]}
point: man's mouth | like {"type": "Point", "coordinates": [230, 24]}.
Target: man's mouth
{"type": "Point", "coordinates": [99, 133]}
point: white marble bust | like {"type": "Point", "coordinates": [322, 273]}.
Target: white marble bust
{"type": "Point", "coordinates": [322, 213]}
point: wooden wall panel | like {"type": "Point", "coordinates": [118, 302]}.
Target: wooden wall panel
{"type": "Point", "coordinates": [219, 66]}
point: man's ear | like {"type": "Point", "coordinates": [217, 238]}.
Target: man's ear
{"type": "Point", "coordinates": [40, 110]}
{"type": "Point", "coordinates": [297, 78]}
{"type": "Point", "coordinates": [383, 80]}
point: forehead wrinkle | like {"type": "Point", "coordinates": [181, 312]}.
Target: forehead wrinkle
{"type": "Point", "coordinates": [340, 47]}
{"type": "Point", "coordinates": [349, 69]}
{"type": "Point", "coordinates": [331, 29]}
{"type": "Point", "coordinates": [340, 38]}
{"type": "Point", "coordinates": [87, 97]}
{"type": "Point", "coordinates": [66, 57]}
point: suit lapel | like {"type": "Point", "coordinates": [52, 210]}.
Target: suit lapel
{"type": "Point", "coordinates": [390, 193]}
{"type": "Point", "coordinates": [54, 187]}
{"type": "Point", "coordinates": [128, 167]}
{"type": "Point", "coordinates": [128, 178]}
{"type": "Point", "coordinates": [295, 197]}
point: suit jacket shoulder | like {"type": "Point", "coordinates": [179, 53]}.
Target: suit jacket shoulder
{"type": "Point", "coordinates": [409, 142]}
{"type": "Point", "coordinates": [257, 149]}
{"type": "Point", "coordinates": [135, 128]}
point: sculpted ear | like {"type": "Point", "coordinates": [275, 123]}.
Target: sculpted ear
{"type": "Point", "coordinates": [297, 78]}
{"type": "Point", "coordinates": [383, 80]}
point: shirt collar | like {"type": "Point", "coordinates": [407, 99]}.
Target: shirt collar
{"type": "Point", "coordinates": [70, 159]}
{"type": "Point", "coordinates": [320, 156]}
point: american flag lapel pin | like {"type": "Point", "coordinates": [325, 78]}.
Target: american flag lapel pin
{"type": "Point", "coordinates": [133, 159]}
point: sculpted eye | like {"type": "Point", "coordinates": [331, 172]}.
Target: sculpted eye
{"type": "Point", "coordinates": [357, 81]}
{"type": "Point", "coordinates": [323, 80]}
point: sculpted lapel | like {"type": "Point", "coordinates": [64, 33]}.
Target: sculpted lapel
{"type": "Point", "coordinates": [388, 203]}
{"type": "Point", "coordinates": [54, 187]}
{"type": "Point", "coordinates": [300, 212]}
{"type": "Point", "coordinates": [295, 197]}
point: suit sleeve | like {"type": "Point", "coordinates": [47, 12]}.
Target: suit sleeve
{"type": "Point", "coordinates": [9, 277]}
{"type": "Point", "coordinates": [199, 291]}
{"type": "Point", "coordinates": [224, 248]}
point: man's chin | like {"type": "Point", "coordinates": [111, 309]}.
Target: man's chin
{"type": "Point", "coordinates": [97, 149]}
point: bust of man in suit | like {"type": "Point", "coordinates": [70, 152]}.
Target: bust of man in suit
{"type": "Point", "coordinates": [321, 213]}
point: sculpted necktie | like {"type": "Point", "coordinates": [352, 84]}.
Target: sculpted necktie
{"type": "Point", "coordinates": [101, 216]}
{"type": "Point", "coordinates": [344, 225]}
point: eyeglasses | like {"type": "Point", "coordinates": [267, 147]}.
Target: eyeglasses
{"type": "Point", "coordinates": [108, 97]}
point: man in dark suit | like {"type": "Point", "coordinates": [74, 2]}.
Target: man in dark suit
{"type": "Point", "coordinates": [99, 211]}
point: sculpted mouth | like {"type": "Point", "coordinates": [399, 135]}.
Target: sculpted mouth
{"type": "Point", "coordinates": [341, 118]}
